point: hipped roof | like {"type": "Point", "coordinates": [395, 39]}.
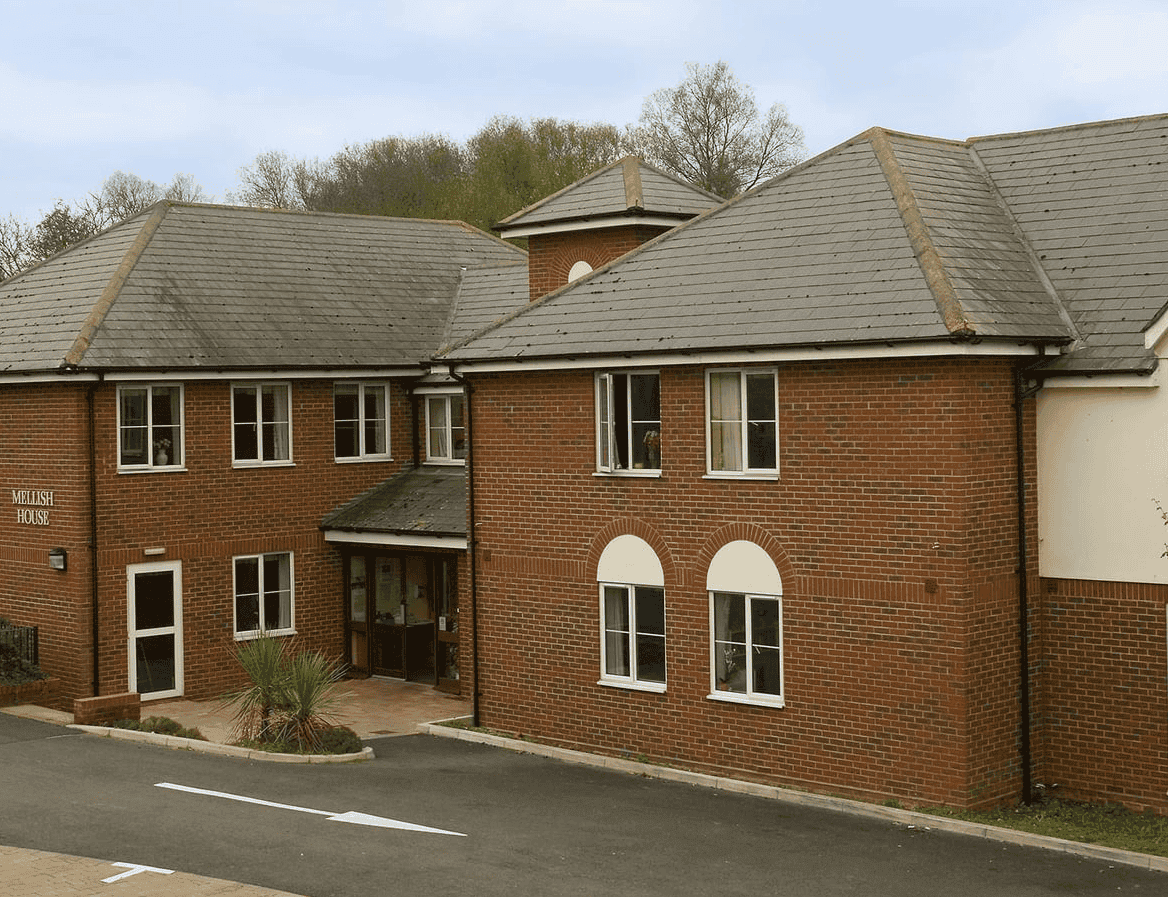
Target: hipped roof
{"type": "Point", "coordinates": [193, 287]}
{"type": "Point", "coordinates": [1049, 237]}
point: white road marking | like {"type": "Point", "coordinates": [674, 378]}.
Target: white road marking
{"type": "Point", "coordinates": [134, 870]}
{"type": "Point", "coordinates": [351, 816]}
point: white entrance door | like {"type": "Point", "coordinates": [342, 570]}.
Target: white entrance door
{"type": "Point", "coordinates": [154, 601]}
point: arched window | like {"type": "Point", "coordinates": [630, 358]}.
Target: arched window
{"type": "Point", "coordinates": [632, 615]}
{"type": "Point", "coordinates": [746, 625]}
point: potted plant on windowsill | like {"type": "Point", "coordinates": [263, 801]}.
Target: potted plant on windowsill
{"type": "Point", "coordinates": [161, 452]}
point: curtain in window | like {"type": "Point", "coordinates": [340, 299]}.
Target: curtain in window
{"type": "Point", "coordinates": [274, 414]}
{"type": "Point", "coordinates": [375, 419]}
{"type": "Point", "coordinates": [277, 592]}
{"type": "Point", "coordinates": [439, 448]}
{"type": "Point", "coordinates": [725, 421]}
{"type": "Point", "coordinates": [134, 437]}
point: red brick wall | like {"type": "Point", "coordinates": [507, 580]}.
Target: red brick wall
{"type": "Point", "coordinates": [1103, 722]}
{"type": "Point", "coordinates": [892, 525]}
{"type": "Point", "coordinates": [201, 516]}
{"type": "Point", "coordinates": [44, 447]}
{"type": "Point", "coordinates": [551, 256]}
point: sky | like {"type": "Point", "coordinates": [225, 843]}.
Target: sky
{"type": "Point", "coordinates": [201, 88]}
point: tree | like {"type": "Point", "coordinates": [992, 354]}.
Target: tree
{"type": "Point", "coordinates": [513, 164]}
{"type": "Point", "coordinates": [59, 230]}
{"type": "Point", "coordinates": [707, 131]}
{"type": "Point", "coordinates": [15, 239]}
{"type": "Point", "coordinates": [273, 181]}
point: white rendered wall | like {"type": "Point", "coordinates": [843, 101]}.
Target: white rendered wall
{"type": "Point", "coordinates": [1102, 464]}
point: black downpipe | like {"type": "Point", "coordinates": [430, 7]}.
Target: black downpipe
{"type": "Point", "coordinates": [95, 625]}
{"type": "Point", "coordinates": [1023, 587]}
{"type": "Point", "coordinates": [471, 547]}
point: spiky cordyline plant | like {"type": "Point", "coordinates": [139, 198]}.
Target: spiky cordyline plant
{"type": "Point", "coordinates": [310, 696]}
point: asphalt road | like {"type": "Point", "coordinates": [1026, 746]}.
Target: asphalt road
{"type": "Point", "coordinates": [509, 824]}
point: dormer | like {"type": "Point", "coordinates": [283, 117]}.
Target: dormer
{"type": "Point", "coordinates": [600, 218]}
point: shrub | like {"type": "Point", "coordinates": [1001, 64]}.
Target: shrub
{"type": "Point", "coordinates": [161, 725]}
{"type": "Point", "coordinates": [340, 740]}
{"type": "Point", "coordinates": [290, 695]}
{"type": "Point", "coordinates": [15, 670]}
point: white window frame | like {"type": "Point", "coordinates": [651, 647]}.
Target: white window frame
{"type": "Point", "coordinates": [719, 690]}
{"type": "Point", "coordinates": [176, 450]}
{"type": "Point", "coordinates": [259, 461]}
{"type": "Point", "coordinates": [362, 421]}
{"type": "Point", "coordinates": [745, 422]}
{"type": "Point", "coordinates": [632, 635]}
{"type": "Point", "coordinates": [262, 629]}
{"type": "Point", "coordinates": [434, 454]}
{"type": "Point", "coordinates": [612, 435]}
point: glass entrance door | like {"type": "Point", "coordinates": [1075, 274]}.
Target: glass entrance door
{"type": "Point", "coordinates": [154, 605]}
{"type": "Point", "coordinates": [397, 602]}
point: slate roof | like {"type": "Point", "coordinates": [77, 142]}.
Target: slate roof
{"type": "Point", "coordinates": [627, 187]}
{"type": "Point", "coordinates": [1057, 237]}
{"type": "Point", "coordinates": [186, 286]}
{"type": "Point", "coordinates": [422, 501]}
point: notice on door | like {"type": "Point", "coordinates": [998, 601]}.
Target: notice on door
{"type": "Point", "coordinates": [32, 506]}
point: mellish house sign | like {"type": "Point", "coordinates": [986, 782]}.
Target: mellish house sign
{"type": "Point", "coordinates": [32, 506]}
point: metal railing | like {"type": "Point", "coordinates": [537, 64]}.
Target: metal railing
{"type": "Point", "coordinates": [24, 640]}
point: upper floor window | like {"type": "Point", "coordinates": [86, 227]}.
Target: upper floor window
{"type": "Point", "coordinates": [445, 428]}
{"type": "Point", "coordinates": [628, 422]}
{"type": "Point", "coordinates": [361, 420]}
{"type": "Point", "coordinates": [743, 422]}
{"type": "Point", "coordinates": [632, 615]}
{"type": "Point", "coordinates": [263, 595]}
{"type": "Point", "coordinates": [261, 415]}
{"type": "Point", "coordinates": [150, 426]}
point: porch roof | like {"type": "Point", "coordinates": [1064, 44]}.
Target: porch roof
{"type": "Point", "coordinates": [424, 501]}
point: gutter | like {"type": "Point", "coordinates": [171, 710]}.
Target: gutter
{"type": "Point", "coordinates": [472, 543]}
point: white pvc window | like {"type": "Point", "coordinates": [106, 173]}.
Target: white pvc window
{"type": "Point", "coordinates": [263, 595]}
{"type": "Point", "coordinates": [628, 422]}
{"type": "Point", "coordinates": [742, 422]}
{"type": "Point", "coordinates": [446, 429]}
{"type": "Point", "coordinates": [746, 626]}
{"type": "Point", "coordinates": [361, 421]}
{"type": "Point", "coordinates": [632, 615]}
{"type": "Point", "coordinates": [150, 426]}
{"type": "Point", "coordinates": [261, 418]}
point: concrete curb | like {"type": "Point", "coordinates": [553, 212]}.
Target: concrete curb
{"type": "Point", "coordinates": [909, 818]}
{"type": "Point", "coordinates": [222, 750]}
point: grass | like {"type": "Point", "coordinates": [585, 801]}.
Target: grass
{"type": "Point", "coordinates": [1105, 825]}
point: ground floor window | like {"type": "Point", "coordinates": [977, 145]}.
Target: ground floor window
{"type": "Point", "coordinates": [263, 595]}
{"type": "Point", "coordinates": [746, 625]}
{"type": "Point", "coordinates": [747, 642]}
{"type": "Point", "coordinates": [633, 648]}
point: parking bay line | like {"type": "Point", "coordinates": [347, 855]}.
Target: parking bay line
{"type": "Point", "coordinates": [352, 816]}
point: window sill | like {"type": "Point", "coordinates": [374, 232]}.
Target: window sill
{"type": "Point", "coordinates": [630, 474]}
{"type": "Point", "coordinates": [169, 468]}
{"type": "Point", "coordinates": [251, 465]}
{"type": "Point", "coordinates": [733, 697]}
{"type": "Point", "coordinates": [760, 476]}
{"type": "Point", "coordinates": [256, 633]}
{"type": "Point", "coordinates": [630, 685]}
{"type": "Point", "coordinates": [445, 462]}
{"type": "Point", "coordinates": [362, 459]}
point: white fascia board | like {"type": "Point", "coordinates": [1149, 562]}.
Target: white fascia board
{"type": "Point", "coordinates": [560, 227]}
{"type": "Point", "coordinates": [41, 377]}
{"type": "Point", "coordinates": [1102, 380]}
{"type": "Point", "coordinates": [757, 356]}
{"type": "Point", "coordinates": [395, 540]}
{"type": "Point", "coordinates": [1155, 331]}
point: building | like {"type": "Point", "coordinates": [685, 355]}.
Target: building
{"type": "Point", "coordinates": [186, 397]}
{"type": "Point", "coordinates": [848, 483]}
